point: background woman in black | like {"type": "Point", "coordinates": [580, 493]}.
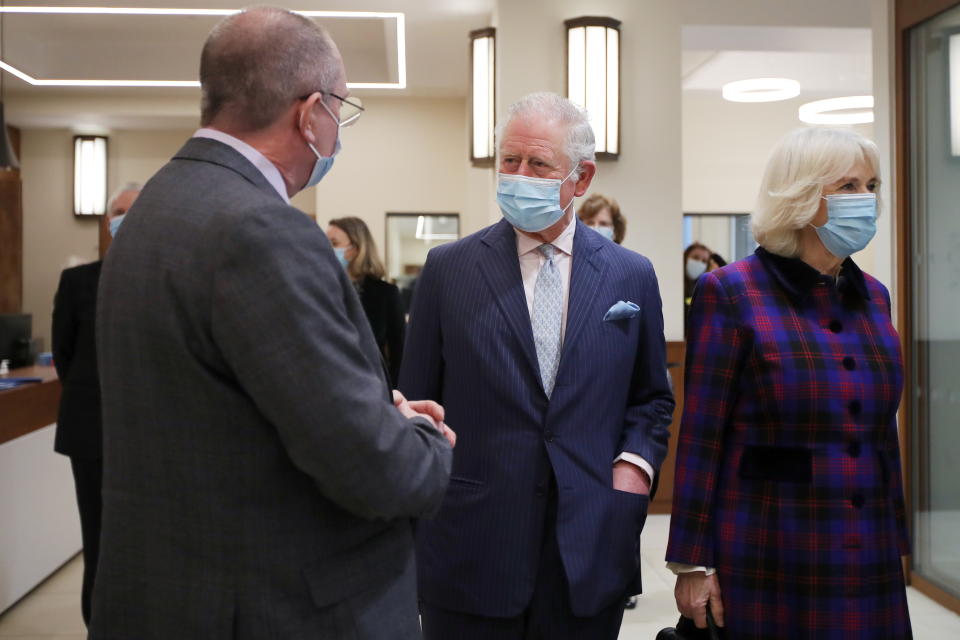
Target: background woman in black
{"type": "Point", "coordinates": [357, 252]}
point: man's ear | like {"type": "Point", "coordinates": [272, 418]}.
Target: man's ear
{"type": "Point", "coordinates": [588, 170]}
{"type": "Point", "coordinates": [304, 121]}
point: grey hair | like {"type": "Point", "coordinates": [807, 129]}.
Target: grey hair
{"type": "Point", "coordinates": [256, 62]}
{"type": "Point", "coordinates": [130, 186]}
{"type": "Point", "coordinates": [543, 105]}
{"type": "Point", "coordinates": [801, 164]}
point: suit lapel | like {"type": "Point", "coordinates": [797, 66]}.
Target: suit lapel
{"type": "Point", "coordinates": [586, 275]}
{"type": "Point", "coordinates": [500, 266]}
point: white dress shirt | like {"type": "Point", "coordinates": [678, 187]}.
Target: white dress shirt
{"type": "Point", "coordinates": [531, 261]}
{"type": "Point", "coordinates": [257, 159]}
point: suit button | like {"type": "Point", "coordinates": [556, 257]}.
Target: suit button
{"type": "Point", "coordinates": [540, 490]}
{"type": "Point", "coordinates": [836, 326]}
{"type": "Point", "coordinates": [548, 436]}
{"type": "Point", "coordinates": [853, 449]}
{"type": "Point", "coordinates": [857, 500]}
{"type": "Point", "coordinates": [855, 407]}
{"type": "Point", "coordinates": [849, 363]}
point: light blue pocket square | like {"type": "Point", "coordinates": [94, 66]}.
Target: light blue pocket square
{"type": "Point", "coordinates": [621, 311]}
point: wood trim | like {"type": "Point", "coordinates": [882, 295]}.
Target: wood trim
{"type": "Point", "coordinates": [11, 234]}
{"type": "Point", "coordinates": [592, 21]}
{"type": "Point", "coordinates": [663, 501]}
{"type": "Point", "coordinates": [29, 408]}
{"type": "Point", "coordinates": [910, 13]}
{"type": "Point", "coordinates": [934, 592]}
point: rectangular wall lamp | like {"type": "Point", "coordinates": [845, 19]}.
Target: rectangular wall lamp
{"type": "Point", "coordinates": [953, 66]}
{"type": "Point", "coordinates": [482, 94]}
{"type": "Point", "coordinates": [89, 175]}
{"type": "Point", "coordinates": [593, 77]}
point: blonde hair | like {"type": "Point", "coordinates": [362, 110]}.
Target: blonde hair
{"type": "Point", "coordinates": [367, 262]}
{"type": "Point", "coordinates": [799, 167]}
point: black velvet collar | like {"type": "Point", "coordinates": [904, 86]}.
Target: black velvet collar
{"type": "Point", "coordinates": [797, 278]}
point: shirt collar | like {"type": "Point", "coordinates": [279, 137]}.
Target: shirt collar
{"type": "Point", "coordinates": [797, 278]}
{"type": "Point", "coordinates": [257, 159]}
{"type": "Point", "coordinates": [564, 242]}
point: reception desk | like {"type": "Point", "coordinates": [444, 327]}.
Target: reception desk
{"type": "Point", "coordinates": [39, 523]}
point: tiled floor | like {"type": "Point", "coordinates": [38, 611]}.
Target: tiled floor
{"type": "Point", "coordinates": [52, 611]}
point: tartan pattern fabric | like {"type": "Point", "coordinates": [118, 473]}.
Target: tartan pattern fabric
{"type": "Point", "coordinates": [788, 473]}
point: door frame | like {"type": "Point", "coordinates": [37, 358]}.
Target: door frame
{"type": "Point", "coordinates": [908, 14]}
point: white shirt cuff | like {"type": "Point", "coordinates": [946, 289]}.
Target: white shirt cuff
{"type": "Point", "coordinates": [633, 458]}
{"type": "Point", "coordinates": [679, 567]}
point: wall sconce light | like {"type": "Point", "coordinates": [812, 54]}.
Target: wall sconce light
{"type": "Point", "coordinates": [593, 77]}
{"type": "Point", "coordinates": [89, 175]}
{"type": "Point", "coordinates": [953, 66]}
{"type": "Point", "coordinates": [482, 107]}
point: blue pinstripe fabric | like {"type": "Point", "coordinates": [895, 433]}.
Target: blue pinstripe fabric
{"type": "Point", "coordinates": [788, 470]}
{"type": "Point", "coordinates": [471, 347]}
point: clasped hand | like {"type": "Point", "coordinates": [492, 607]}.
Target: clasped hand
{"type": "Point", "coordinates": [428, 409]}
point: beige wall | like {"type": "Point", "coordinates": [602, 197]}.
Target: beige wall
{"type": "Point", "coordinates": [405, 155]}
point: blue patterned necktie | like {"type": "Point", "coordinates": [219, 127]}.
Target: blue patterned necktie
{"type": "Point", "coordinates": [547, 317]}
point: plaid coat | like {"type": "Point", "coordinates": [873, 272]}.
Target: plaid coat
{"type": "Point", "coordinates": [788, 468]}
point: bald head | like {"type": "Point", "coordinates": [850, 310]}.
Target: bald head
{"type": "Point", "coordinates": [255, 63]}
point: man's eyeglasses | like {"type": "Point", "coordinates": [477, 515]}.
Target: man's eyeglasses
{"type": "Point", "coordinates": [350, 109]}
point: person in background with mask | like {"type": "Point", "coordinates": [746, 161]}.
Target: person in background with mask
{"type": "Point", "coordinates": [259, 479]}
{"type": "Point", "coordinates": [602, 214]}
{"type": "Point", "coordinates": [75, 358]}
{"type": "Point", "coordinates": [544, 342]}
{"type": "Point", "coordinates": [788, 512]}
{"type": "Point", "coordinates": [355, 249]}
{"type": "Point", "coordinates": [697, 260]}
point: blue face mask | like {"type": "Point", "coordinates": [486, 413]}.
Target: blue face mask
{"type": "Point", "coordinates": [531, 204]}
{"type": "Point", "coordinates": [115, 225]}
{"type": "Point", "coordinates": [341, 253]}
{"type": "Point", "coordinates": [323, 164]}
{"type": "Point", "coordinates": [851, 223]}
{"type": "Point", "coordinates": [606, 232]}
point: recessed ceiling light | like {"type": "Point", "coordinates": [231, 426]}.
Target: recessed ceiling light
{"type": "Point", "coordinates": [146, 11]}
{"type": "Point", "coordinates": [825, 111]}
{"type": "Point", "coordinates": [761, 90]}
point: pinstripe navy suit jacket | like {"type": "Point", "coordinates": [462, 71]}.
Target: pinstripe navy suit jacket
{"type": "Point", "coordinates": [470, 347]}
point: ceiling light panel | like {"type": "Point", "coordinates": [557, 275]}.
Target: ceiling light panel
{"type": "Point", "coordinates": [761, 90]}
{"type": "Point", "coordinates": [845, 110]}
{"type": "Point", "coordinates": [159, 47]}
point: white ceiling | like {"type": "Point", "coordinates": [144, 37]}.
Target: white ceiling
{"type": "Point", "coordinates": [824, 60]}
{"type": "Point", "coordinates": [824, 44]}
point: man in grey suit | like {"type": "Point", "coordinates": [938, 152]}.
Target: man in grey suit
{"type": "Point", "coordinates": [259, 480]}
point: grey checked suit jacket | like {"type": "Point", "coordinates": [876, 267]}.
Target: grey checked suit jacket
{"type": "Point", "coordinates": [258, 482]}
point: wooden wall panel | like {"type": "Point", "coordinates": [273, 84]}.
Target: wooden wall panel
{"type": "Point", "coordinates": [664, 498]}
{"type": "Point", "coordinates": [11, 235]}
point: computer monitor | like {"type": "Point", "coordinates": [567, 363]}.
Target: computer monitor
{"type": "Point", "coordinates": [16, 329]}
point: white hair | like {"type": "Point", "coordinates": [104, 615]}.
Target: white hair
{"type": "Point", "coordinates": [799, 167]}
{"type": "Point", "coordinates": [579, 144]}
{"type": "Point", "coordinates": [130, 186]}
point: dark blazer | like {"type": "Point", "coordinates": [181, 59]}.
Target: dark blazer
{"type": "Point", "coordinates": [384, 308]}
{"type": "Point", "coordinates": [75, 358]}
{"type": "Point", "coordinates": [470, 347]}
{"type": "Point", "coordinates": [788, 476]}
{"type": "Point", "coordinates": [258, 482]}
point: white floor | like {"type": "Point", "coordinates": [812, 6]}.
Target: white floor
{"type": "Point", "coordinates": [52, 610]}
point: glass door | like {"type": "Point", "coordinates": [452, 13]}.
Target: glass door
{"type": "Point", "coordinates": [934, 93]}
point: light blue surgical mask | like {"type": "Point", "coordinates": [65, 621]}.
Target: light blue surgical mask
{"type": "Point", "coordinates": [341, 253]}
{"type": "Point", "coordinates": [851, 223]}
{"type": "Point", "coordinates": [531, 204]}
{"type": "Point", "coordinates": [606, 232]}
{"type": "Point", "coordinates": [115, 225]}
{"type": "Point", "coordinates": [323, 164]}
